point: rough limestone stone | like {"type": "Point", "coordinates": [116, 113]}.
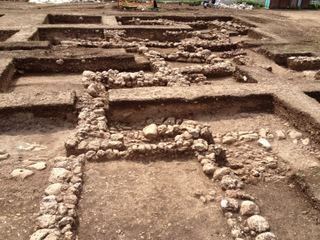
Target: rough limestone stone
{"type": "Point", "coordinates": [4, 156]}
{"type": "Point", "coordinates": [49, 205]}
{"type": "Point", "coordinates": [266, 236]}
{"type": "Point", "coordinates": [46, 221]}
{"type": "Point", "coordinates": [39, 166]}
{"type": "Point", "coordinates": [231, 182]}
{"type": "Point", "coordinates": [116, 145]}
{"type": "Point", "coordinates": [230, 205]}
{"type": "Point", "coordinates": [264, 143]}
{"type": "Point", "coordinates": [280, 135]}
{"type": "Point", "coordinates": [21, 173]}
{"type": "Point", "coordinates": [200, 145]}
{"type": "Point", "coordinates": [305, 141]}
{"type": "Point", "coordinates": [60, 175]}
{"type": "Point", "coordinates": [249, 137]}
{"type": "Point", "coordinates": [206, 134]}
{"type": "Point", "coordinates": [52, 236]}
{"type": "Point", "coordinates": [220, 172]}
{"type": "Point", "coordinates": [40, 234]}
{"type": "Point", "coordinates": [53, 189]}
{"type": "Point", "coordinates": [150, 131]}
{"type": "Point", "coordinates": [263, 132]}
{"type": "Point", "coordinates": [258, 224]}
{"type": "Point", "coordinates": [295, 134]}
{"type": "Point", "coordinates": [94, 145]}
{"type": "Point", "coordinates": [208, 168]}
{"type": "Point", "coordinates": [249, 208]}
{"type": "Point", "coordinates": [116, 137]}
{"type": "Point", "coordinates": [91, 155]}
{"type": "Point", "coordinates": [228, 140]}
{"type": "Point", "coordinates": [93, 90]}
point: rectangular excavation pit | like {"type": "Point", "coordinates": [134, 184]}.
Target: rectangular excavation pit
{"type": "Point", "coordinates": [115, 59]}
{"type": "Point", "coordinates": [138, 111]}
{"type": "Point", "coordinates": [146, 181]}
{"type": "Point", "coordinates": [72, 19]}
{"type": "Point", "coordinates": [5, 34]}
{"type": "Point", "coordinates": [152, 200]}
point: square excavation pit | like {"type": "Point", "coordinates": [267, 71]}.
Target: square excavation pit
{"type": "Point", "coordinates": [131, 206]}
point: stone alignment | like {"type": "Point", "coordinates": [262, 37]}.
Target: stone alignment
{"type": "Point", "coordinates": [99, 138]}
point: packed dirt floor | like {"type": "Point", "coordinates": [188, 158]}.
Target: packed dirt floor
{"type": "Point", "coordinates": [180, 123]}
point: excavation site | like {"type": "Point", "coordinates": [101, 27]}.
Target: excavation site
{"type": "Point", "coordinates": [181, 122]}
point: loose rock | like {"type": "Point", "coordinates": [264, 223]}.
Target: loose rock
{"type": "Point", "coordinates": [208, 168]}
{"type": "Point", "coordinates": [39, 166]}
{"type": "Point", "coordinates": [231, 182]}
{"type": "Point", "coordinates": [280, 135]}
{"type": "Point", "coordinates": [266, 236]}
{"type": "Point", "coordinates": [4, 156]}
{"type": "Point", "coordinates": [60, 175]}
{"type": "Point", "coordinates": [258, 224]}
{"type": "Point", "coordinates": [220, 172]}
{"type": "Point", "coordinates": [21, 173]}
{"type": "Point", "coordinates": [264, 143]}
{"type": "Point", "coordinates": [249, 208]}
{"type": "Point", "coordinates": [295, 134]}
{"type": "Point", "coordinates": [53, 189]}
{"type": "Point", "coordinates": [150, 131]}
{"type": "Point", "coordinates": [200, 145]}
{"type": "Point", "coordinates": [230, 205]}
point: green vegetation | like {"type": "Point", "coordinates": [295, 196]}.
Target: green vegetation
{"type": "Point", "coordinates": [315, 171]}
{"type": "Point", "coordinates": [314, 6]}
{"type": "Point", "coordinates": [255, 4]}
{"type": "Point", "coordinates": [301, 175]}
{"type": "Point", "coordinates": [182, 1]}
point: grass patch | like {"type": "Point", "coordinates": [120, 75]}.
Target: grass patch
{"type": "Point", "coordinates": [177, 1]}
{"type": "Point", "coordinates": [252, 3]}
{"type": "Point", "coordinates": [314, 6]}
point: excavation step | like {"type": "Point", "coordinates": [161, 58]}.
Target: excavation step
{"type": "Point", "coordinates": [40, 104]}
{"type": "Point", "coordinates": [8, 46]}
